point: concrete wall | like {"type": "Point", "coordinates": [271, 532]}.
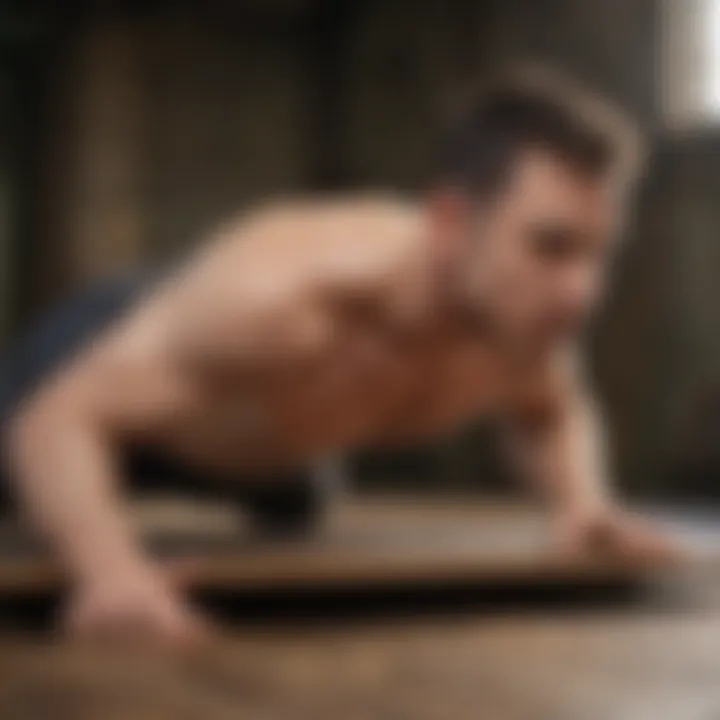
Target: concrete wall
{"type": "Point", "coordinates": [5, 260]}
{"type": "Point", "coordinates": [170, 121]}
{"type": "Point", "coordinates": [226, 118]}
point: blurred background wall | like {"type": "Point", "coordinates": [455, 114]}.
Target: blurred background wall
{"type": "Point", "coordinates": [131, 128]}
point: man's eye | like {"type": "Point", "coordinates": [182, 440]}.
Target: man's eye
{"type": "Point", "coordinates": [555, 243]}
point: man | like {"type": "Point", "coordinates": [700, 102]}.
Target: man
{"type": "Point", "coordinates": [310, 328]}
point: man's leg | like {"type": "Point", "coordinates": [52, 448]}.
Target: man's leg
{"type": "Point", "coordinates": [294, 502]}
{"type": "Point", "coordinates": [287, 502]}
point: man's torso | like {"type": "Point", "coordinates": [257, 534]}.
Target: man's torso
{"type": "Point", "coordinates": [303, 331]}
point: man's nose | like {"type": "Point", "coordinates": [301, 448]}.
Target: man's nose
{"type": "Point", "coordinates": [580, 288]}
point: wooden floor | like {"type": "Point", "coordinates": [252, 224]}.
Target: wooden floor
{"type": "Point", "coordinates": [544, 668]}
{"type": "Point", "coordinates": [381, 541]}
{"type": "Point", "coordinates": [650, 659]}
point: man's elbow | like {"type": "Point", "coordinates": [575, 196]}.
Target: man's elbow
{"type": "Point", "coordinates": [41, 419]}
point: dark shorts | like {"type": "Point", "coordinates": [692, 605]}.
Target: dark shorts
{"type": "Point", "coordinates": [284, 499]}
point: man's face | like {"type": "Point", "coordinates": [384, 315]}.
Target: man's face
{"type": "Point", "coordinates": [534, 257]}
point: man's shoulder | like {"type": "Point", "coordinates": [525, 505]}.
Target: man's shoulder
{"type": "Point", "coordinates": [308, 223]}
{"type": "Point", "coordinates": [340, 242]}
{"type": "Point", "coordinates": [277, 273]}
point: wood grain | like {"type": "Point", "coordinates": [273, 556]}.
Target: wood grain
{"type": "Point", "coordinates": [624, 663]}
{"type": "Point", "coordinates": [385, 541]}
{"type": "Point", "coordinates": [591, 668]}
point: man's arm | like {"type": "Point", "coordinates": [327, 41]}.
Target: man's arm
{"type": "Point", "coordinates": [561, 449]}
{"type": "Point", "coordinates": [64, 464]}
{"type": "Point", "coordinates": [65, 440]}
{"type": "Point", "coordinates": [559, 441]}
{"type": "Point", "coordinates": [63, 448]}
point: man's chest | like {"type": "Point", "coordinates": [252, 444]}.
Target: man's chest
{"type": "Point", "coordinates": [369, 388]}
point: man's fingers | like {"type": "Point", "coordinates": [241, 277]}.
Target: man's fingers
{"type": "Point", "coordinates": [182, 573]}
{"type": "Point", "coordinates": [202, 631]}
{"type": "Point", "coordinates": [577, 534]}
{"type": "Point", "coordinates": [621, 534]}
{"type": "Point", "coordinates": [655, 542]}
{"type": "Point", "coordinates": [195, 629]}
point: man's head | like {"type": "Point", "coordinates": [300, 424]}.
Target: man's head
{"type": "Point", "coordinates": [528, 203]}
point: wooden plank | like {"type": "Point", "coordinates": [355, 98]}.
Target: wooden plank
{"type": "Point", "coordinates": [625, 665]}
{"type": "Point", "coordinates": [381, 543]}
{"type": "Point", "coordinates": [637, 667]}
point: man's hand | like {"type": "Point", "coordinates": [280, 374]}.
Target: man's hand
{"type": "Point", "coordinates": [142, 605]}
{"type": "Point", "coordinates": [611, 531]}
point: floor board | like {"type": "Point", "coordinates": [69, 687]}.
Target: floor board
{"type": "Point", "coordinates": [381, 541]}
{"type": "Point", "coordinates": [641, 661]}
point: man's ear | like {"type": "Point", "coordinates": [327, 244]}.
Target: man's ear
{"type": "Point", "coordinates": [450, 217]}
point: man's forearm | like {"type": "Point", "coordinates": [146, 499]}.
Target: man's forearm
{"type": "Point", "coordinates": [565, 456]}
{"type": "Point", "coordinates": [65, 481]}
{"type": "Point", "coordinates": [577, 458]}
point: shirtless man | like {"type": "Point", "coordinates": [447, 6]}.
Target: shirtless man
{"type": "Point", "coordinates": [314, 327]}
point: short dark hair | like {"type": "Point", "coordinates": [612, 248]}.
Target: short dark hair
{"type": "Point", "coordinates": [531, 107]}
